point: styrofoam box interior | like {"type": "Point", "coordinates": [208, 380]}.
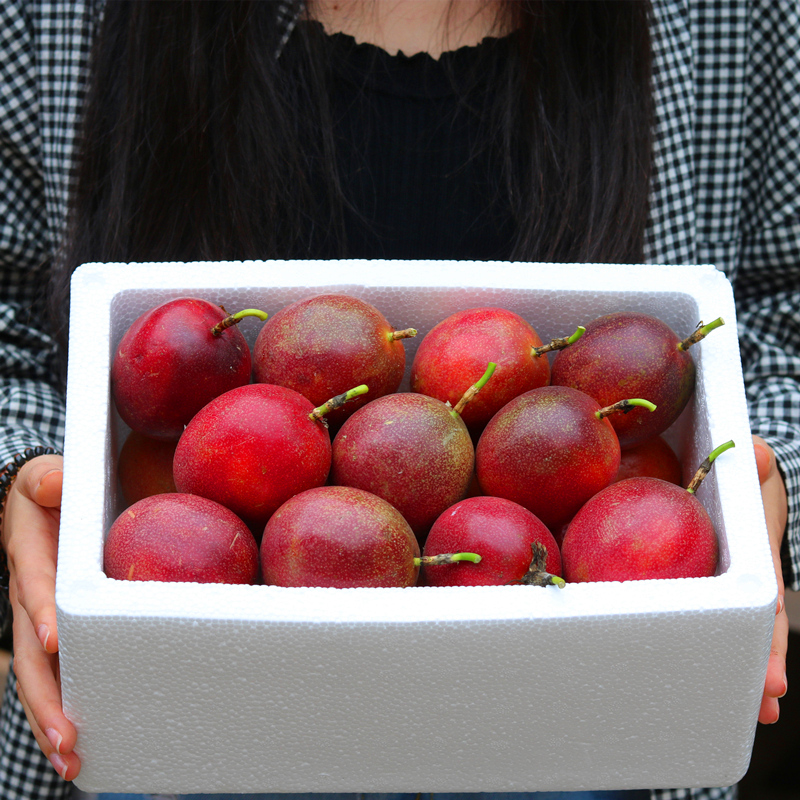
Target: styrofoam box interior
{"type": "Point", "coordinates": [184, 687]}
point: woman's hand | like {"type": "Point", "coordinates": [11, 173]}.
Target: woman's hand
{"type": "Point", "coordinates": [30, 539]}
{"type": "Point", "coordinates": [773, 494]}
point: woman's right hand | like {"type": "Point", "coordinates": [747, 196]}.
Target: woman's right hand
{"type": "Point", "coordinates": [30, 539]}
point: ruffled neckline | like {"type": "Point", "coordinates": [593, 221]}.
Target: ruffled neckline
{"type": "Point", "coordinates": [418, 75]}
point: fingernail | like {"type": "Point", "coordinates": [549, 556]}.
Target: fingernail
{"type": "Point", "coordinates": [785, 686]}
{"type": "Point", "coordinates": [55, 738]}
{"type": "Point", "coordinates": [43, 632]}
{"type": "Point", "coordinates": [59, 764]}
{"type": "Point", "coordinates": [49, 472]}
{"type": "Point", "coordinates": [781, 604]}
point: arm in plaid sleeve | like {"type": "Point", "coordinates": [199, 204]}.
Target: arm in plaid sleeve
{"type": "Point", "coordinates": [767, 282]}
{"type": "Point", "coordinates": [35, 89]}
{"type": "Point", "coordinates": [770, 338]}
{"type": "Point", "coordinates": [31, 403]}
{"type": "Point", "coordinates": [31, 408]}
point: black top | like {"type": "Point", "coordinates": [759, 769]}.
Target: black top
{"type": "Point", "coordinates": [412, 152]}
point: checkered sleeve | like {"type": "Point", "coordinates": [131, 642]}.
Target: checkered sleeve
{"type": "Point", "coordinates": [31, 405]}
{"type": "Point", "coordinates": [33, 167]}
{"type": "Point", "coordinates": [25, 774]}
{"type": "Point", "coordinates": [767, 283]}
{"type": "Point", "coordinates": [719, 793]}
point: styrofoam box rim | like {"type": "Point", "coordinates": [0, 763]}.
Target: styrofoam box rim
{"type": "Point", "coordinates": [748, 581]}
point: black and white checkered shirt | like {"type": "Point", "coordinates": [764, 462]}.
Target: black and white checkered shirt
{"type": "Point", "coordinates": [726, 191]}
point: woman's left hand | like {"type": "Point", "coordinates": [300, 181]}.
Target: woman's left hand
{"type": "Point", "coordinates": [773, 494]}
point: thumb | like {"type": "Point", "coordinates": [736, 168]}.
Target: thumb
{"type": "Point", "coordinates": [40, 480]}
{"type": "Point", "coordinates": [765, 458]}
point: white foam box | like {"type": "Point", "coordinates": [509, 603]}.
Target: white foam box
{"type": "Point", "coordinates": [181, 687]}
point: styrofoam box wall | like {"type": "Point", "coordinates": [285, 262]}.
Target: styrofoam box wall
{"type": "Point", "coordinates": [185, 687]}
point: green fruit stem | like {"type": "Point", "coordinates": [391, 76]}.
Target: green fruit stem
{"type": "Point", "coordinates": [705, 467]}
{"type": "Point", "coordinates": [700, 333]}
{"type": "Point", "coordinates": [537, 575]}
{"type": "Point", "coordinates": [558, 344]}
{"type": "Point", "coordinates": [473, 390]}
{"type": "Point", "coordinates": [407, 333]}
{"type": "Point", "coordinates": [318, 414]}
{"type": "Point", "coordinates": [233, 319]}
{"type": "Point", "coordinates": [625, 406]}
{"type": "Point", "coordinates": [447, 558]}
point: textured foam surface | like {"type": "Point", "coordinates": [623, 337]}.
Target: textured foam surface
{"type": "Point", "coordinates": [190, 688]}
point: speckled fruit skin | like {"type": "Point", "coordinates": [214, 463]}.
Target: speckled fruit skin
{"type": "Point", "coordinates": [548, 452]}
{"type": "Point", "coordinates": [145, 467]}
{"type": "Point", "coordinates": [653, 458]}
{"type": "Point", "coordinates": [324, 345]}
{"type": "Point", "coordinates": [640, 528]}
{"type": "Point", "coordinates": [169, 365]}
{"type": "Point", "coordinates": [455, 353]}
{"type": "Point", "coordinates": [629, 355]}
{"type": "Point", "coordinates": [500, 531]}
{"type": "Point", "coordinates": [337, 536]}
{"type": "Point", "coordinates": [251, 449]}
{"type": "Point", "coordinates": [180, 537]}
{"type": "Point", "coordinates": [411, 451]}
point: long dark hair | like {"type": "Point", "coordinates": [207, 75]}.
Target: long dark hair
{"type": "Point", "coordinates": [198, 143]}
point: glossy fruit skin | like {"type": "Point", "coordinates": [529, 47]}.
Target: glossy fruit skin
{"type": "Point", "coordinates": [337, 536]}
{"type": "Point", "coordinates": [640, 528]}
{"type": "Point", "coordinates": [180, 537]}
{"type": "Point", "coordinates": [168, 365]}
{"type": "Point", "coordinates": [145, 467]}
{"type": "Point", "coordinates": [628, 355]}
{"type": "Point", "coordinates": [548, 452]}
{"type": "Point", "coordinates": [324, 345]}
{"type": "Point", "coordinates": [410, 450]}
{"type": "Point", "coordinates": [653, 458]}
{"type": "Point", "coordinates": [455, 353]}
{"type": "Point", "coordinates": [251, 449]}
{"type": "Point", "coordinates": [500, 531]}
